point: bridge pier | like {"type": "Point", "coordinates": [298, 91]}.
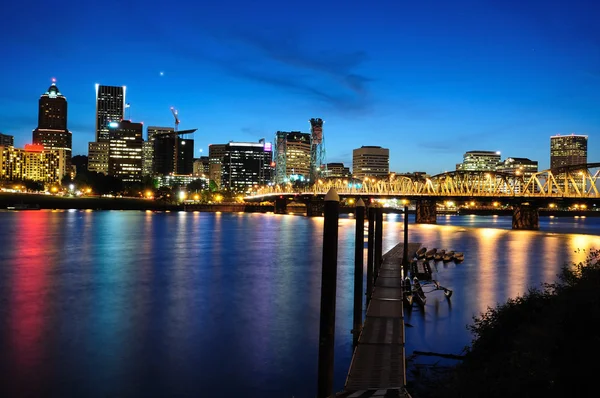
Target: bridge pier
{"type": "Point", "coordinates": [426, 212]}
{"type": "Point", "coordinates": [314, 207]}
{"type": "Point", "coordinates": [281, 206]}
{"type": "Point", "coordinates": [525, 217]}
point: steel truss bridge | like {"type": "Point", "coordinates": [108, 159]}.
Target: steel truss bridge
{"type": "Point", "coordinates": [571, 184]}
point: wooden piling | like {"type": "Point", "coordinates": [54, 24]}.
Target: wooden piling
{"type": "Point", "coordinates": [328, 292]}
{"type": "Point", "coordinates": [370, 246]}
{"type": "Point", "coordinates": [359, 251]}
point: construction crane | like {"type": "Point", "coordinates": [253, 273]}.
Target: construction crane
{"type": "Point", "coordinates": [176, 115]}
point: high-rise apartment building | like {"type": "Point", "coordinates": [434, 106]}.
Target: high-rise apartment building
{"type": "Point", "coordinates": [98, 157]}
{"type": "Point", "coordinates": [52, 132]}
{"type": "Point", "coordinates": [125, 150]}
{"type": "Point", "coordinates": [7, 140]}
{"type": "Point", "coordinates": [34, 162]}
{"type": "Point", "coordinates": [568, 150]}
{"type": "Point", "coordinates": [370, 161]}
{"type": "Point", "coordinates": [246, 164]}
{"type": "Point", "coordinates": [479, 161]}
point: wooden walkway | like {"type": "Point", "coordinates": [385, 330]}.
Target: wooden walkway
{"type": "Point", "coordinates": [378, 364]}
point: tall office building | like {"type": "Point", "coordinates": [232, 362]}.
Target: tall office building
{"type": "Point", "coordinates": [148, 149]}
{"type": "Point", "coordinates": [479, 161]}
{"type": "Point", "coordinates": [292, 156]}
{"type": "Point", "coordinates": [52, 132]}
{"type": "Point", "coordinates": [7, 140]}
{"type": "Point", "coordinates": [110, 107]}
{"type": "Point", "coordinates": [246, 164]}
{"type": "Point", "coordinates": [216, 153]}
{"type": "Point", "coordinates": [125, 150]}
{"type": "Point", "coordinates": [568, 150]}
{"type": "Point", "coordinates": [336, 170]}
{"type": "Point", "coordinates": [521, 167]}
{"type": "Point", "coordinates": [370, 161]}
{"type": "Point", "coordinates": [173, 154]}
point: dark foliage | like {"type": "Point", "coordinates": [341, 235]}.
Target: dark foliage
{"type": "Point", "coordinates": [543, 344]}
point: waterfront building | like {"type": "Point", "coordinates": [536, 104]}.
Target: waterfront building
{"type": "Point", "coordinates": [568, 150]}
{"type": "Point", "coordinates": [98, 157]}
{"type": "Point", "coordinates": [34, 162]}
{"type": "Point", "coordinates": [149, 159]}
{"type": "Point", "coordinates": [51, 131]}
{"type": "Point", "coordinates": [246, 164]}
{"type": "Point", "coordinates": [336, 170]}
{"type": "Point", "coordinates": [173, 180]}
{"type": "Point", "coordinates": [292, 156]}
{"type": "Point", "coordinates": [479, 161]}
{"type": "Point", "coordinates": [370, 161]}
{"type": "Point", "coordinates": [7, 140]}
{"type": "Point", "coordinates": [216, 153]}
{"type": "Point", "coordinates": [201, 167]}
{"type": "Point", "coordinates": [125, 150]}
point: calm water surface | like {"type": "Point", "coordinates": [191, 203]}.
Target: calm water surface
{"type": "Point", "coordinates": [135, 304]}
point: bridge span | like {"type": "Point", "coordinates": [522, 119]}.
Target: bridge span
{"type": "Point", "coordinates": [561, 187]}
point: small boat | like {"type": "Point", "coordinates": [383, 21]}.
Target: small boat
{"type": "Point", "coordinates": [448, 256]}
{"type": "Point", "coordinates": [418, 293]}
{"type": "Point", "coordinates": [458, 257]}
{"type": "Point", "coordinates": [420, 254]}
{"type": "Point", "coordinates": [439, 255]}
{"type": "Point", "coordinates": [430, 253]}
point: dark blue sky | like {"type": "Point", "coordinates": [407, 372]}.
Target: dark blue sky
{"type": "Point", "coordinates": [427, 79]}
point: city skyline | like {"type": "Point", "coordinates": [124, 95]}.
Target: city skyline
{"type": "Point", "coordinates": [429, 85]}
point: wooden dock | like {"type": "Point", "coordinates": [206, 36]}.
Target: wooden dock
{"type": "Point", "coordinates": [378, 364]}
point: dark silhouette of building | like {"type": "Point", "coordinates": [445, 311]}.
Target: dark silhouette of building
{"type": "Point", "coordinates": [173, 154]}
{"type": "Point", "coordinates": [52, 132]}
{"type": "Point", "coordinates": [125, 150]}
{"type": "Point", "coordinates": [7, 140]}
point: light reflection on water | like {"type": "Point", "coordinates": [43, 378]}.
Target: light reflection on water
{"type": "Point", "coordinates": [198, 304]}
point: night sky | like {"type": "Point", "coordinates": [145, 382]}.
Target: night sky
{"type": "Point", "coordinates": [427, 79]}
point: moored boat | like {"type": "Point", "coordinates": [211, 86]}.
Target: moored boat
{"type": "Point", "coordinates": [420, 254]}
{"type": "Point", "coordinates": [430, 253]}
{"type": "Point", "coordinates": [448, 256]}
{"type": "Point", "coordinates": [458, 257]}
{"type": "Point", "coordinates": [418, 293]}
{"type": "Point", "coordinates": [439, 255]}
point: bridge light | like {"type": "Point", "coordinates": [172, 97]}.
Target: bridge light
{"type": "Point", "coordinates": [496, 204]}
{"type": "Point", "coordinates": [583, 207]}
{"type": "Point", "coordinates": [552, 205]}
{"type": "Point", "coordinates": [472, 203]}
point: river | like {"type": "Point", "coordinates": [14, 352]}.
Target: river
{"type": "Point", "coordinates": [144, 304]}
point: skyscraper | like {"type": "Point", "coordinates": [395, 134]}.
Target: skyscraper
{"type": "Point", "coordinates": [110, 107]}
{"type": "Point", "coordinates": [568, 150]}
{"type": "Point", "coordinates": [125, 150]}
{"type": "Point", "coordinates": [246, 164]}
{"type": "Point", "coordinates": [292, 156]}
{"type": "Point", "coordinates": [370, 161]}
{"type": "Point", "coordinates": [216, 153]}
{"type": "Point", "coordinates": [479, 161]}
{"type": "Point", "coordinates": [173, 155]}
{"type": "Point", "coordinates": [7, 140]}
{"type": "Point", "coordinates": [52, 132]}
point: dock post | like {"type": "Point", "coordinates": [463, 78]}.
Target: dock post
{"type": "Point", "coordinates": [378, 241]}
{"type": "Point", "coordinates": [328, 292]}
{"type": "Point", "coordinates": [405, 251]}
{"type": "Point", "coordinates": [359, 252]}
{"type": "Point", "coordinates": [371, 235]}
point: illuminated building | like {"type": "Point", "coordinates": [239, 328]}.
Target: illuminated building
{"type": "Point", "coordinates": [568, 150]}
{"type": "Point", "coordinates": [172, 180]}
{"type": "Point", "coordinates": [98, 157]}
{"type": "Point", "coordinates": [216, 152]}
{"type": "Point", "coordinates": [292, 156]}
{"type": "Point", "coordinates": [370, 161]}
{"type": "Point", "coordinates": [336, 170]}
{"type": "Point", "coordinates": [7, 140]}
{"type": "Point", "coordinates": [110, 107]}
{"type": "Point", "coordinates": [125, 150]}
{"type": "Point", "coordinates": [479, 161]}
{"type": "Point", "coordinates": [32, 163]}
{"type": "Point", "coordinates": [522, 167]}
{"type": "Point", "coordinates": [246, 164]}
{"type": "Point", "coordinates": [52, 132]}
{"type": "Point", "coordinates": [201, 167]}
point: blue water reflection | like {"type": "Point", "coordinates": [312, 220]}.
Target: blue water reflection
{"type": "Point", "coordinates": [146, 304]}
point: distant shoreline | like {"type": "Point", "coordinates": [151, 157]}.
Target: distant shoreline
{"type": "Point", "coordinates": [51, 202]}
